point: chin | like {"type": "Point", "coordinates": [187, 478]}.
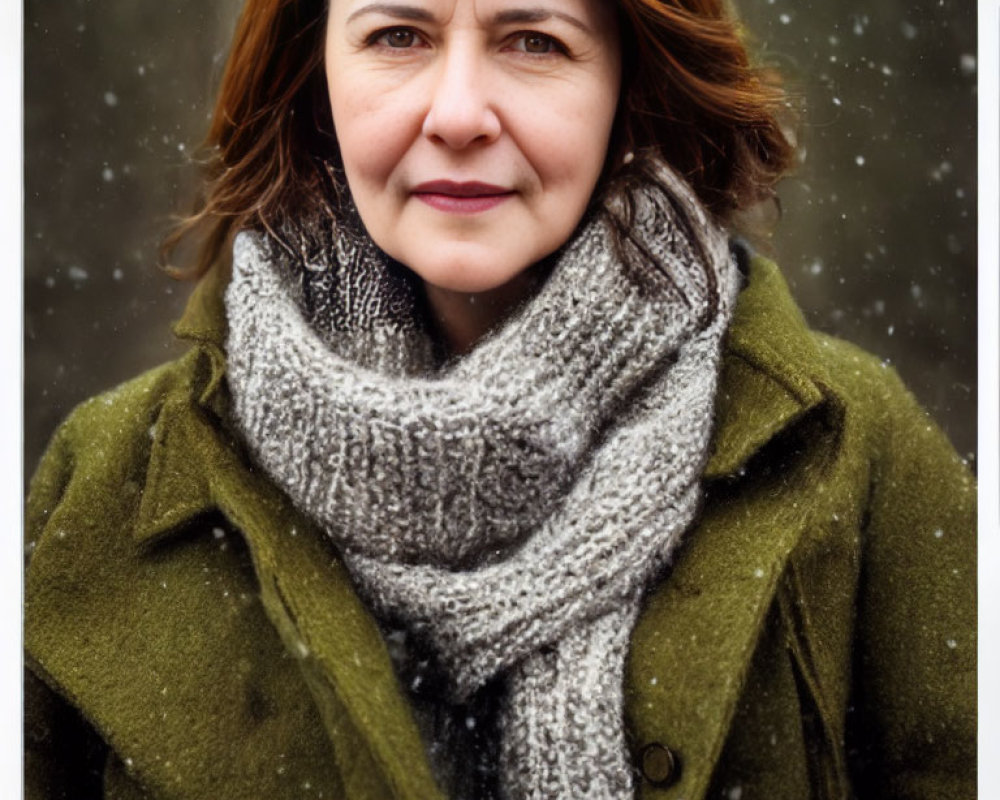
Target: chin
{"type": "Point", "coordinates": [467, 272]}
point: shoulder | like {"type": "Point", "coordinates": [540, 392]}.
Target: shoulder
{"type": "Point", "coordinates": [774, 364]}
{"type": "Point", "coordinates": [860, 377]}
{"type": "Point", "coordinates": [897, 429]}
{"type": "Point", "coordinates": [114, 416]}
{"type": "Point", "coordinates": [116, 426]}
{"type": "Point", "coordinates": [111, 422]}
{"type": "Point", "coordinates": [869, 389]}
{"type": "Point", "coordinates": [100, 453]}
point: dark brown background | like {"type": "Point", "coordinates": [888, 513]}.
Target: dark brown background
{"type": "Point", "coordinates": [878, 236]}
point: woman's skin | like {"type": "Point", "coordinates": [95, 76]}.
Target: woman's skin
{"type": "Point", "coordinates": [473, 133]}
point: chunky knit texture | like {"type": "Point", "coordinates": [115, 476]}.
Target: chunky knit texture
{"type": "Point", "coordinates": [509, 507]}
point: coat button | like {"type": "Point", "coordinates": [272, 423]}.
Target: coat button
{"type": "Point", "coordinates": [659, 765]}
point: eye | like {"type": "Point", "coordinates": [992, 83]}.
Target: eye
{"type": "Point", "coordinates": [537, 44]}
{"type": "Point", "coordinates": [396, 38]}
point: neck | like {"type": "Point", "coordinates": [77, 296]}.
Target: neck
{"type": "Point", "coordinates": [463, 318]}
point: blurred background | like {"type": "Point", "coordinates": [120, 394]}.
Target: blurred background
{"type": "Point", "coordinates": [877, 239]}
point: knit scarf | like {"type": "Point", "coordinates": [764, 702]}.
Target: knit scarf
{"type": "Point", "coordinates": [509, 506]}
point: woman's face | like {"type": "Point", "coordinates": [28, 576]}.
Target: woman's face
{"type": "Point", "coordinates": [472, 132]}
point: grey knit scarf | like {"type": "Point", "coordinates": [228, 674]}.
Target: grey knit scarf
{"type": "Point", "coordinates": [510, 506]}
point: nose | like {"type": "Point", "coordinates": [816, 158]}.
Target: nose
{"type": "Point", "coordinates": [461, 112]}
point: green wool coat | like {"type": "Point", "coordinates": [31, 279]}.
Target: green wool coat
{"type": "Point", "coordinates": [191, 635]}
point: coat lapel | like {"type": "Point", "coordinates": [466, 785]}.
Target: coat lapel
{"type": "Point", "coordinates": [694, 641]}
{"type": "Point", "coordinates": [308, 597]}
{"type": "Point", "coordinates": [304, 588]}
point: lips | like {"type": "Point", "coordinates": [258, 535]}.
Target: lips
{"type": "Point", "coordinates": [470, 197]}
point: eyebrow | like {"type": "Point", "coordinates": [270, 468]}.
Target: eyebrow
{"type": "Point", "coordinates": [414, 13]}
{"type": "Point", "coordinates": [530, 15]}
{"type": "Point", "coordinates": [507, 17]}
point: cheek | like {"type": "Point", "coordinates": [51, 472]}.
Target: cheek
{"type": "Point", "coordinates": [566, 139]}
{"type": "Point", "coordinates": [372, 130]}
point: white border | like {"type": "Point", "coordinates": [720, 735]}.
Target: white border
{"type": "Point", "coordinates": [11, 439]}
{"type": "Point", "coordinates": [989, 400]}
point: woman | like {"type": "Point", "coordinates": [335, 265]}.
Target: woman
{"type": "Point", "coordinates": [491, 471]}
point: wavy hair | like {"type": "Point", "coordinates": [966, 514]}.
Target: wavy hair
{"type": "Point", "coordinates": [690, 95]}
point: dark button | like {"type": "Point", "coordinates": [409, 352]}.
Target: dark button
{"type": "Point", "coordinates": [659, 765]}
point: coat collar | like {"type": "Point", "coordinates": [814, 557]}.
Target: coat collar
{"type": "Point", "coordinates": [771, 374]}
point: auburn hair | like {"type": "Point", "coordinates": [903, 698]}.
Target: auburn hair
{"type": "Point", "coordinates": [690, 95]}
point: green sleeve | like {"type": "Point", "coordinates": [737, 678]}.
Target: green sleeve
{"type": "Point", "coordinates": [912, 723]}
{"type": "Point", "coordinates": [47, 486]}
{"type": "Point", "coordinates": [63, 757]}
